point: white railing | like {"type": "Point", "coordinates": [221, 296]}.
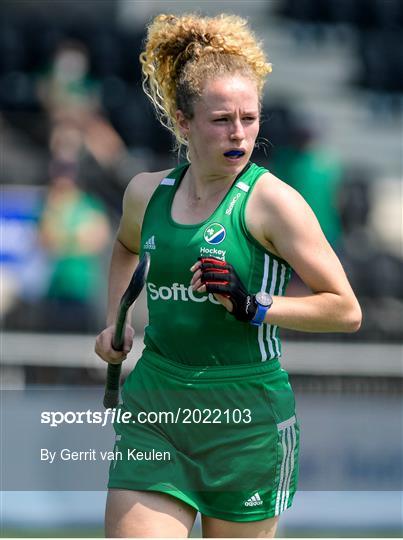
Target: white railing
{"type": "Point", "coordinates": [315, 358]}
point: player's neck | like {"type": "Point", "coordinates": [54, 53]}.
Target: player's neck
{"type": "Point", "coordinates": [201, 186]}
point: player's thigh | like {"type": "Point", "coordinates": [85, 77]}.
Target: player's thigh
{"type": "Point", "coordinates": [219, 528]}
{"type": "Point", "coordinates": [146, 514]}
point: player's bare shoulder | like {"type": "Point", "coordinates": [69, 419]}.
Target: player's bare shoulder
{"type": "Point", "coordinates": [139, 192]}
{"type": "Point", "coordinates": [136, 198]}
{"type": "Point", "coordinates": [272, 207]}
{"type": "Point", "coordinates": [273, 193]}
{"type": "Point", "coordinates": [275, 199]}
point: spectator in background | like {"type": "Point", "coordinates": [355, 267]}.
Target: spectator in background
{"type": "Point", "coordinates": [72, 100]}
{"type": "Point", "coordinates": [75, 230]}
{"type": "Point", "coordinates": [66, 88]}
{"type": "Point", "coordinates": [315, 174]}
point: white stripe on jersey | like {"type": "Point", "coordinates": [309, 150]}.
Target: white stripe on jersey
{"type": "Point", "coordinates": [274, 328]}
{"type": "Point", "coordinates": [288, 445]}
{"type": "Point", "coordinates": [269, 344]}
{"type": "Point", "coordinates": [168, 181]}
{"type": "Point", "coordinates": [261, 328]}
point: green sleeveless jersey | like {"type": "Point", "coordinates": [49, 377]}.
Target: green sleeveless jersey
{"type": "Point", "coordinates": [193, 328]}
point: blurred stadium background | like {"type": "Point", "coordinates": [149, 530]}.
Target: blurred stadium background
{"type": "Point", "coordinates": [76, 127]}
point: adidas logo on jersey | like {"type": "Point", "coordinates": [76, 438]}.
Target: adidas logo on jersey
{"type": "Point", "coordinates": [255, 500]}
{"type": "Point", "coordinates": [150, 244]}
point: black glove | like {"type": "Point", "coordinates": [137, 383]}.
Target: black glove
{"type": "Point", "coordinates": [220, 277]}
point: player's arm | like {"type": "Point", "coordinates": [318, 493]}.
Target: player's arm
{"type": "Point", "coordinates": [279, 218]}
{"type": "Point", "coordinates": [291, 228]}
{"type": "Point", "coordinates": [123, 261]}
{"type": "Point", "coordinates": [125, 249]}
{"type": "Point", "coordinates": [125, 258]}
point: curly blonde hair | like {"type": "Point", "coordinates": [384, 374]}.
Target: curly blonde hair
{"type": "Point", "coordinates": [182, 52]}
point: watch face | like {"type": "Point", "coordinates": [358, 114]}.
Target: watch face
{"type": "Point", "coordinates": [264, 299]}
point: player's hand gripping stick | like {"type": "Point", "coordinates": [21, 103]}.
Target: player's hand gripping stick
{"type": "Point", "coordinates": [111, 397]}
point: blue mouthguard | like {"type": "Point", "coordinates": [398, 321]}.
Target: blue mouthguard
{"type": "Point", "coordinates": [234, 153]}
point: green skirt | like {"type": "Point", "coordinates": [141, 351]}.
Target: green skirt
{"type": "Point", "coordinates": [223, 439]}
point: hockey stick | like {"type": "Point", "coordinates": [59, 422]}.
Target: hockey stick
{"type": "Point", "coordinates": [111, 397]}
